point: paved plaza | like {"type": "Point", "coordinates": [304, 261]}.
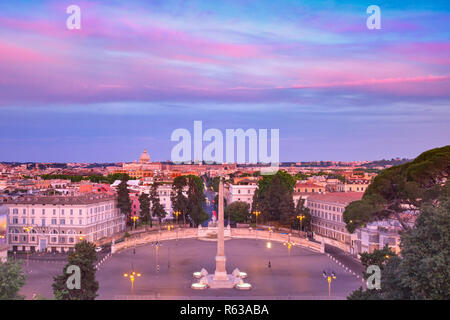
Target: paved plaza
{"type": "Point", "coordinates": [298, 276]}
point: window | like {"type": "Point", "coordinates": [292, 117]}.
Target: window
{"type": "Point", "coordinates": [62, 212]}
{"type": "Point", "coordinates": [43, 211]}
{"type": "Point", "coordinates": [24, 221]}
{"type": "Point", "coordinates": [80, 221]}
{"type": "Point", "coordinates": [32, 211]}
{"type": "Point", "coordinates": [15, 211]}
{"type": "Point", "coordinates": [53, 221]}
{"type": "Point", "coordinates": [54, 211]}
{"type": "Point", "coordinates": [81, 212]}
{"type": "Point", "coordinates": [71, 221]}
{"type": "Point", "coordinates": [71, 212]}
{"type": "Point", "coordinates": [24, 211]}
{"type": "Point", "coordinates": [43, 222]}
{"type": "Point", "coordinates": [32, 221]}
{"type": "Point", "coordinates": [53, 239]}
{"type": "Point", "coordinates": [62, 222]}
{"type": "Point", "coordinates": [15, 221]}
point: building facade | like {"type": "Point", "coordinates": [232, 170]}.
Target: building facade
{"type": "Point", "coordinates": [327, 218]}
{"type": "Point", "coordinates": [56, 224]}
{"type": "Point", "coordinates": [243, 193]}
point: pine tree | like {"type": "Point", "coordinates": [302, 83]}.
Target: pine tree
{"type": "Point", "coordinates": [144, 205]}
{"type": "Point", "coordinates": [12, 279]}
{"type": "Point", "coordinates": [123, 201]}
{"type": "Point", "coordinates": [179, 200]}
{"type": "Point", "coordinates": [157, 209]}
{"type": "Point", "coordinates": [83, 257]}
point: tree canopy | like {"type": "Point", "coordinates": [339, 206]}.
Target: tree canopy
{"type": "Point", "coordinates": [12, 280]}
{"type": "Point", "coordinates": [402, 188]}
{"type": "Point", "coordinates": [83, 257]}
{"type": "Point", "coordinates": [421, 272]}
{"type": "Point", "coordinates": [238, 211]}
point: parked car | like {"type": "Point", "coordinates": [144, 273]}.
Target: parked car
{"type": "Point", "coordinates": [98, 249]}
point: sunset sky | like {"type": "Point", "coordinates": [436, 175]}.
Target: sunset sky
{"type": "Point", "coordinates": [137, 70]}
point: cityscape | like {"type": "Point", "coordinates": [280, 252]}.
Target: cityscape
{"type": "Point", "coordinates": [233, 151]}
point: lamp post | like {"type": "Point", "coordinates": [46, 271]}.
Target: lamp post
{"type": "Point", "coordinates": [132, 276]}
{"type": "Point", "coordinates": [177, 213]}
{"type": "Point", "coordinates": [134, 218]}
{"type": "Point", "coordinates": [300, 217]}
{"type": "Point", "coordinates": [28, 229]}
{"type": "Point", "coordinates": [156, 246]}
{"type": "Point", "coordinates": [329, 276]}
{"type": "Point", "coordinates": [269, 246]}
{"type": "Point", "coordinates": [256, 213]}
{"type": "Point", "coordinates": [289, 245]}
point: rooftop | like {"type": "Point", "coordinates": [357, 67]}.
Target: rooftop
{"type": "Point", "coordinates": [336, 197]}
{"type": "Point", "coordinates": [63, 200]}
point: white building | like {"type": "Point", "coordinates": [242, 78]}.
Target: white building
{"type": "Point", "coordinates": [57, 223]}
{"type": "Point", "coordinates": [236, 192]}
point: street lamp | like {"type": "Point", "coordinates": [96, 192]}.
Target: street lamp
{"type": "Point", "coordinates": [256, 213]}
{"type": "Point", "coordinates": [329, 276]}
{"type": "Point", "coordinates": [289, 245]}
{"type": "Point", "coordinates": [301, 217]}
{"type": "Point", "coordinates": [177, 213]}
{"type": "Point", "coordinates": [156, 245]}
{"type": "Point", "coordinates": [132, 276]}
{"type": "Point", "coordinates": [134, 218]}
{"type": "Point", "coordinates": [28, 229]}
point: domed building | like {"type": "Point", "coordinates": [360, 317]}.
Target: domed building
{"type": "Point", "coordinates": [145, 157]}
{"type": "Point", "coordinates": [144, 168]}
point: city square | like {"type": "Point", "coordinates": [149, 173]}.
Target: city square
{"type": "Point", "coordinates": [295, 276]}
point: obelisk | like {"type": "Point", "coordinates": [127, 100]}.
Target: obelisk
{"type": "Point", "coordinates": [221, 272]}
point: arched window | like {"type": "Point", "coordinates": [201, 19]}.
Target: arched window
{"type": "Point", "coordinates": [54, 231]}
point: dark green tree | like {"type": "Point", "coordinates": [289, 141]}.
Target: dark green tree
{"type": "Point", "coordinates": [12, 280]}
{"type": "Point", "coordinates": [426, 254]}
{"type": "Point", "coordinates": [84, 257]}
{"type": "Point", "coordinates": [402, 188]}
{"type": "Point", "coordinates": [144, 205]}
{"type": "Point", "coordinates": [157, 208]}
{"type": "Point", "coordinates": [195, 202]}
{"type": "Point", "coordinates": [179, 200]}
{"type": "Point", "coordinates": [302, 210]}
{"type": "Point", "coordinates": [238, 211]}
{"type": "Point", "coordinates": [123, 200]}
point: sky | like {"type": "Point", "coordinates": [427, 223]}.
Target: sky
{"type": "Point", "coordinates": [138, 70]}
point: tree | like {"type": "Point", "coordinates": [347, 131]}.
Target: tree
{"type": "Point", "coordinates": [123, 201]}
{"type": "Point", "coordinates": [422, 272]}
{"type": "Point", "coordinates": [379, 258]}
{"type": "Point", "coordinates": [179, 200]}
{"type": "Point", "coordinates": [285, 179]}
{"type": "Point", "coordinates": [238, 211]}
{"type": "Point", "coordinates": [276, 203]}
{"type": "Point", "coordinates": [83, 257]}
{"type": "Point", "coordinates": [426, 254]}
{"type": "Point", "coordinates": [215, 184]}
{"type": "Point", "coordinates": [195, 202]}
{"type": "Point", "coordinates": [144, 205]}
{"type": "Point", "coordinates": [401, 188]}
{"type": "Point", "coordinates": [302, 210]}
{"type": "Point", "coordinates": [157, 208]}
{"type": "Point", "coordinates": [12, 280]}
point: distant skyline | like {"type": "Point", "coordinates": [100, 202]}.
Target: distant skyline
{"type": "Point", "coordinates": [137, 70]}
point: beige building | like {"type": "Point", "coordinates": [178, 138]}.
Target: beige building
{"type": "Point", "coordinates": [327, 218]}
{"type": "Point", "coordinates": [236, 192]}
{"type": "Point", "coordinates": [58, 223]}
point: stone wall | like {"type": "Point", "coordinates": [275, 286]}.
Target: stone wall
{"type": "Point", "coordinates": [244, 233]}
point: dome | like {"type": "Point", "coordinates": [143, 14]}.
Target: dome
{"type": "Point", "coordinates": [145, 158]}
